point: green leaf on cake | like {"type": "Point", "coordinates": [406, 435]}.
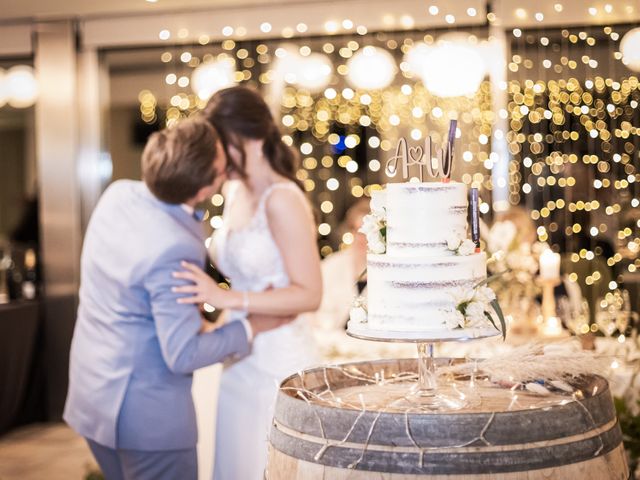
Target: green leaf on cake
{"type": "Point", "coordinates": [503, 323]}
{"type": "Point", "coordinates": [490, 318]}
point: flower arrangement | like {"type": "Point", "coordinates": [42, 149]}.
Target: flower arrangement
{"type": "Point", "coordinates": [374, 225]}
{"type": "Point", "coordinates": [517, 260]}
{"type": "Point", "coordinates": [475, 308]}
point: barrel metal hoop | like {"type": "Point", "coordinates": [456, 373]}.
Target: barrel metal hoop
{"type": "Point", "coordinates": [464, 460]}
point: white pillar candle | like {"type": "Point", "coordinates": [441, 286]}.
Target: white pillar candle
{"type": "Point", "coordinates": [552, 327]}
{"type": "Point", "coordinates": [549, 265]}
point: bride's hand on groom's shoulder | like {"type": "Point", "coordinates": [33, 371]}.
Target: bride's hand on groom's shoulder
{"type": "Point", "coordinates": [264, 323]}
{"type": "Point", "coordinates": [202, 289]}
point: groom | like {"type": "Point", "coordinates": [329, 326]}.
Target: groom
{"type": "Point", "coordinates": [134, 347]}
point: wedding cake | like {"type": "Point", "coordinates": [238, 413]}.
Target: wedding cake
{"type": "Point", "coordinates": [423, 273]}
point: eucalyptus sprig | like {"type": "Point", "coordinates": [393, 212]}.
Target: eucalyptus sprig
{"type": "Point", "coordinates": [491, 278]}
{"type": "Point", "coordinates": [495, 305]}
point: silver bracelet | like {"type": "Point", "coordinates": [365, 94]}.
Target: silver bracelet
{"type": "Point", "coordinates": [245, 301]}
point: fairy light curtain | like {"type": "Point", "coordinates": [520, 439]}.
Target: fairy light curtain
{"type": "Point", "coordinates": [574, 144]}
{"type": "Point", "coordinates": [573, 130]}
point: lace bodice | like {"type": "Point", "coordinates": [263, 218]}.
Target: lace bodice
{"type": "Point", "coordinates": [248, 256]}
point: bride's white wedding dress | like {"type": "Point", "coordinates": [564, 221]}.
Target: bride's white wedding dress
{"type": "Point", "coordinates": [250, 258]}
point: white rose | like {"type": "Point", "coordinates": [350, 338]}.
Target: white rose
{"type": "Point", "coordinates": [467, 247]}
{"type": "Point", "coordinates": [474, 315]}
{"type": "Point", "coordinates": [358, 315]}
{"type": "Point", "coordinates": [461, 295]}
{"type": "Point", "coordinates": [484, 295]}
{"type": "Point", "coordinates": [376, 243]}
{"type": "Point", "coordinates": [378, 203]}
{"type": "Point", "coordinates": [360, 301]}
{"type": "Point", "coordinates": [453, 319]}
{"type": "Point", "coordinates": [370, 223]}
{"type": "Point", "coordinates": [453, 242]}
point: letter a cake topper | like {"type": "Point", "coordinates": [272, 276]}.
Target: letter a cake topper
{"type": "Point", "coordinates": [438, 166]}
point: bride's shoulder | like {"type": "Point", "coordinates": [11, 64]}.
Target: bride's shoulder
{"type": "Point", "coordinates": [285, 197]}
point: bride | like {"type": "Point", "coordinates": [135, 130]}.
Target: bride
{"type": "Point", "coordinates": [267, 248]}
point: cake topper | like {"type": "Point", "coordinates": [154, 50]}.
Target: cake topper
{"type": "Point", "coordinates": [438, 166]}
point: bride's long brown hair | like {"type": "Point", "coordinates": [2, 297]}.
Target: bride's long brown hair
{"type": "Point", "coordinates": [239, 113]}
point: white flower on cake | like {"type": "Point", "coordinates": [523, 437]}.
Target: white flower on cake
{"type": "Point", "coordinates": [467, 247]}
{"type": "Point", "coordinates": [370, 223]}
{"type": "Point", "coordinates": [484, 294]}
{"type": "Point", "coordinates": [358, 312]}
{"type": "Point", "coordinates": [475, 315]}
{"type": "Point", "coordinates": [474, 308]}
{"type": "Point", "coordinates": [454, 319]}
{"type": "Point", "coordinates": [378, 202]}
{"type": "Point", "coordinates": [461, 295]}
{"type": "Point", "coordinates": [376, 243]}
{"type": "Point", "coordinates": [453, 242]}
{"type": "Point", "coordinates": [358, 315]}
{"type": "Point", "coordinates": [374, 226]}
{"type": "Point", "coordinates": [459, 246]}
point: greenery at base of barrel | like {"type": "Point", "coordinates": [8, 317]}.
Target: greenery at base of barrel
{"type": "Point", "coordinates": [630, 425]}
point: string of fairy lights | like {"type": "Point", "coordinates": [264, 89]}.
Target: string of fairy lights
{"type": "Point", "coordinates": [574, 146]}
{"type": "Point", "coordinates": [573, 134]}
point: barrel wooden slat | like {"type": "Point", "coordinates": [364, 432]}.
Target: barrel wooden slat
{"type": "Point", "coordinates": [562, 437]}
{"type": "Point", "coordinates": [611, 466]}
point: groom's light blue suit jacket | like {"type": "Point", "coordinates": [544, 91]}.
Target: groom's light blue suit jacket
{"type": "Point", "coordinates": [134, 348]}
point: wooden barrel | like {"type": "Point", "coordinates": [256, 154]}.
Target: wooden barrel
{"type": "Point", "coordinates": [563, 440]}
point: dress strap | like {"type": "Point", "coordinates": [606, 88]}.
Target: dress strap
{"type": "Point", "coordinates": [231, 191]}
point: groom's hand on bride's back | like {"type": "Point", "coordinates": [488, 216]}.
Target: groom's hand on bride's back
{"type": "Point", "coordinates": [264, 323]}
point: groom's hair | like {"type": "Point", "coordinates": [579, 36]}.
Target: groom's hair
{"type": "Point", "coordinates": [178, 161]}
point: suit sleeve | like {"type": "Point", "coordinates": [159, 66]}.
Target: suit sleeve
{"type": "Point", "coordinates": [183, 348]}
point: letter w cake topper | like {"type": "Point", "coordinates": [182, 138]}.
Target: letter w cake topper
{"type": "Point", "coordinates": [410, 156]}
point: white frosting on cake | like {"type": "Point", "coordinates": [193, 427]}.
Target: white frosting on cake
{"type": "Point", "coordinates": [421, 216]}
{"type": "Point", "coordinates": [410, 286]}
{"type": "Point", "coordinates": [412, 293]}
